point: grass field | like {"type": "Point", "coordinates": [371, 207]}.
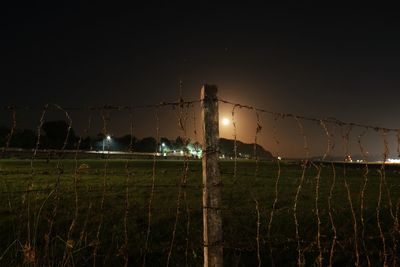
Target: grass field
{"type": "Point", "coordinates": [71, 218]}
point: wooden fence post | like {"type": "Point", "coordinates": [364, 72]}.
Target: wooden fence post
{"type": "Point", "coordinates": [212, 220]}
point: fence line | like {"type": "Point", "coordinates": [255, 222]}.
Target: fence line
{"type": "Point", "coordinates": [307, 211]}
{"type": "Point", "coordinates": [345, 136]}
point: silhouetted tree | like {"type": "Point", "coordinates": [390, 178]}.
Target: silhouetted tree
{"type": "Point", "coordinates": [56, 133]}
{"type": "Point", "coordinates": [4, 131]}
{"type": "Point", "coordinates": [179, 143]}
{"type": "Point", "coordinates": [147, 144]}
{"type": "Point", "coordinates": [123, 143]}
{"type": "Point", "coordinates": [86, 143]}
{"type": "Point", "coordinates": [24, 139]}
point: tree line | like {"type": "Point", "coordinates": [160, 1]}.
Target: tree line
{"type": "Point", "coordinates": [53, 135]}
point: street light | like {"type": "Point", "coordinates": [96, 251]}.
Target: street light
{"type": "Point", "coordinates": [162, 148]}
{"type": "Point", "coordinates": [108, 138]}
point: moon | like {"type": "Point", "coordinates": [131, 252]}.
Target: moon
{"type": "Point", "coordinates": [225, 121]}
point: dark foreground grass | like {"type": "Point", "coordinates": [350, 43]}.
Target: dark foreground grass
{"type": "Point", "coordinates": [73, 218]}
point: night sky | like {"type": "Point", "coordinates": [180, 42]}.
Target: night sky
{"type": "Point", "coordinates": [318, 62]}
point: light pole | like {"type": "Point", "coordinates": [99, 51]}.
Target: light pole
{"type": "Point", "coordinates": [108, 138]}
{"type": "Point", "coordinates": [162, 148]}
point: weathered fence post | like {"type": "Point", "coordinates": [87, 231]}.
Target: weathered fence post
{"type": "Point", "coordinates": [212, 220]}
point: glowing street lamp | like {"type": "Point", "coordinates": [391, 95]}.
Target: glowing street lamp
{"type": "Point", "coordinates": [162, 148]}
{"type": "Point", "coordinates": [108, 138]}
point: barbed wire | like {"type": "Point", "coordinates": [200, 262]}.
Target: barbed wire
{"type": "Point", "coordinates": [311, 234]}
{"type": "Point", "coordinates": [313, 119]}
{"type": "Point", "coordinates": [181, 102]}
{"type": "Point", "coordinates": [104, 107]}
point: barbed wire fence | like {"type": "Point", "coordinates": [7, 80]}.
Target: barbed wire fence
{"type": "Point", "coordinates": [337, 238]}
{"type": "Point", "coordinates": [75, 208]}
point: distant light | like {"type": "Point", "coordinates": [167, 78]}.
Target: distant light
{"type": "Point", "coordinates": [181, 151]}
{"type": "Point", "coordinates": [163, 144]}
{"type": "Point", "coordinates": [393, 160]}
{"type": "Point", "coordinates": [108, 137]}
{"type": "Point", "coordinates": [225, 121]}
{"type": "Point", "coordinates": [279, 158]}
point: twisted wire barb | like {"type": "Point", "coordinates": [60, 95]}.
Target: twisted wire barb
{"type": "Point", "coordinates": [389, 196]}
{"type": "Point", "coordinates": [396, 228]}
{"type": "Point", "coordinates": [70, 243]}
{"type": "Point", "coordinates": [396, 232]}
{"type": "Point", "coordinates": [385, 157]}
{"type": "Point", "coordinates": [124, 250]}
{"type": "Point", "coordinates": [255, 156]}
{"type": "Point", "coordinates": [234, 178]}
{"type": "Point", "coordinates": [330, 146]}
{"type": "Point", "coordinates": [330, 212]}
{"type": "Point", "coordinates": [258, 232]}
{"type": "Point", "coordinates": [378, 219]}
{"type": "Point", "coordinates": [153, 180]}
{"type": "Point", "coordinates": [105, 119]}
{"type": "Point", "coordinates": [345, 131]}
{"type": "Point", "coordinates": [258, 130]}
{"type": "Point", "coordinates": [317, 182]}
{"type": "Point", "coordinates": [30, 182]}
{"type": "Point", "coordinates": [362, 195]}
{"type": "Point", "coordinates": [12, 130]}
{"type": "Point", "coordinates": [304, 167]}
{"type": "Point", "coordinates": [57, 187]}
{"type": "Point", "coordinates": [234, 142]}
{"type": "Point", "coordinates": [194, 124]}
{"type": "Point", "coordinates": [8, 142]}
{"type": "Point", "coordinates": [184, 184]}
{"type": "Point", "coordinates": [276, 187]}
{"type": "Point", "coordinates": [182, 118]}
{"type": "Point", "coordinates": [357, 262]}
{"type": "Point", "coordinates": [187, 207]}
{"type": "Point", "coordinates": [398, 142]}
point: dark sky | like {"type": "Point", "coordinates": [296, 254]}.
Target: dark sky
{"type": "Point", "coordinates": [319, 62]}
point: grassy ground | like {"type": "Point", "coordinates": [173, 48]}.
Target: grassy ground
{"type": "Point", "coordinates": [78, 218]}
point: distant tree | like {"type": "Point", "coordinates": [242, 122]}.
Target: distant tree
{"type": "Point", "coordinates": [99, 137]}
{"type": "Point", "coordinates": [56, 133]}
{"type": "Point", "coordinates": [179, 143]}
{"type": "Point", "coordinates": [24, 139]}
{"type": "Point", "coordinates": [147, 144]}
{"type": "Point", "coordinates": [196, 146]}
{"type": "Point", "coordinates": [124, 142]}
{"type": "Point", "coordinates": [86, 143]}
{"type": "Point", "coordinates": [4, 132]}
